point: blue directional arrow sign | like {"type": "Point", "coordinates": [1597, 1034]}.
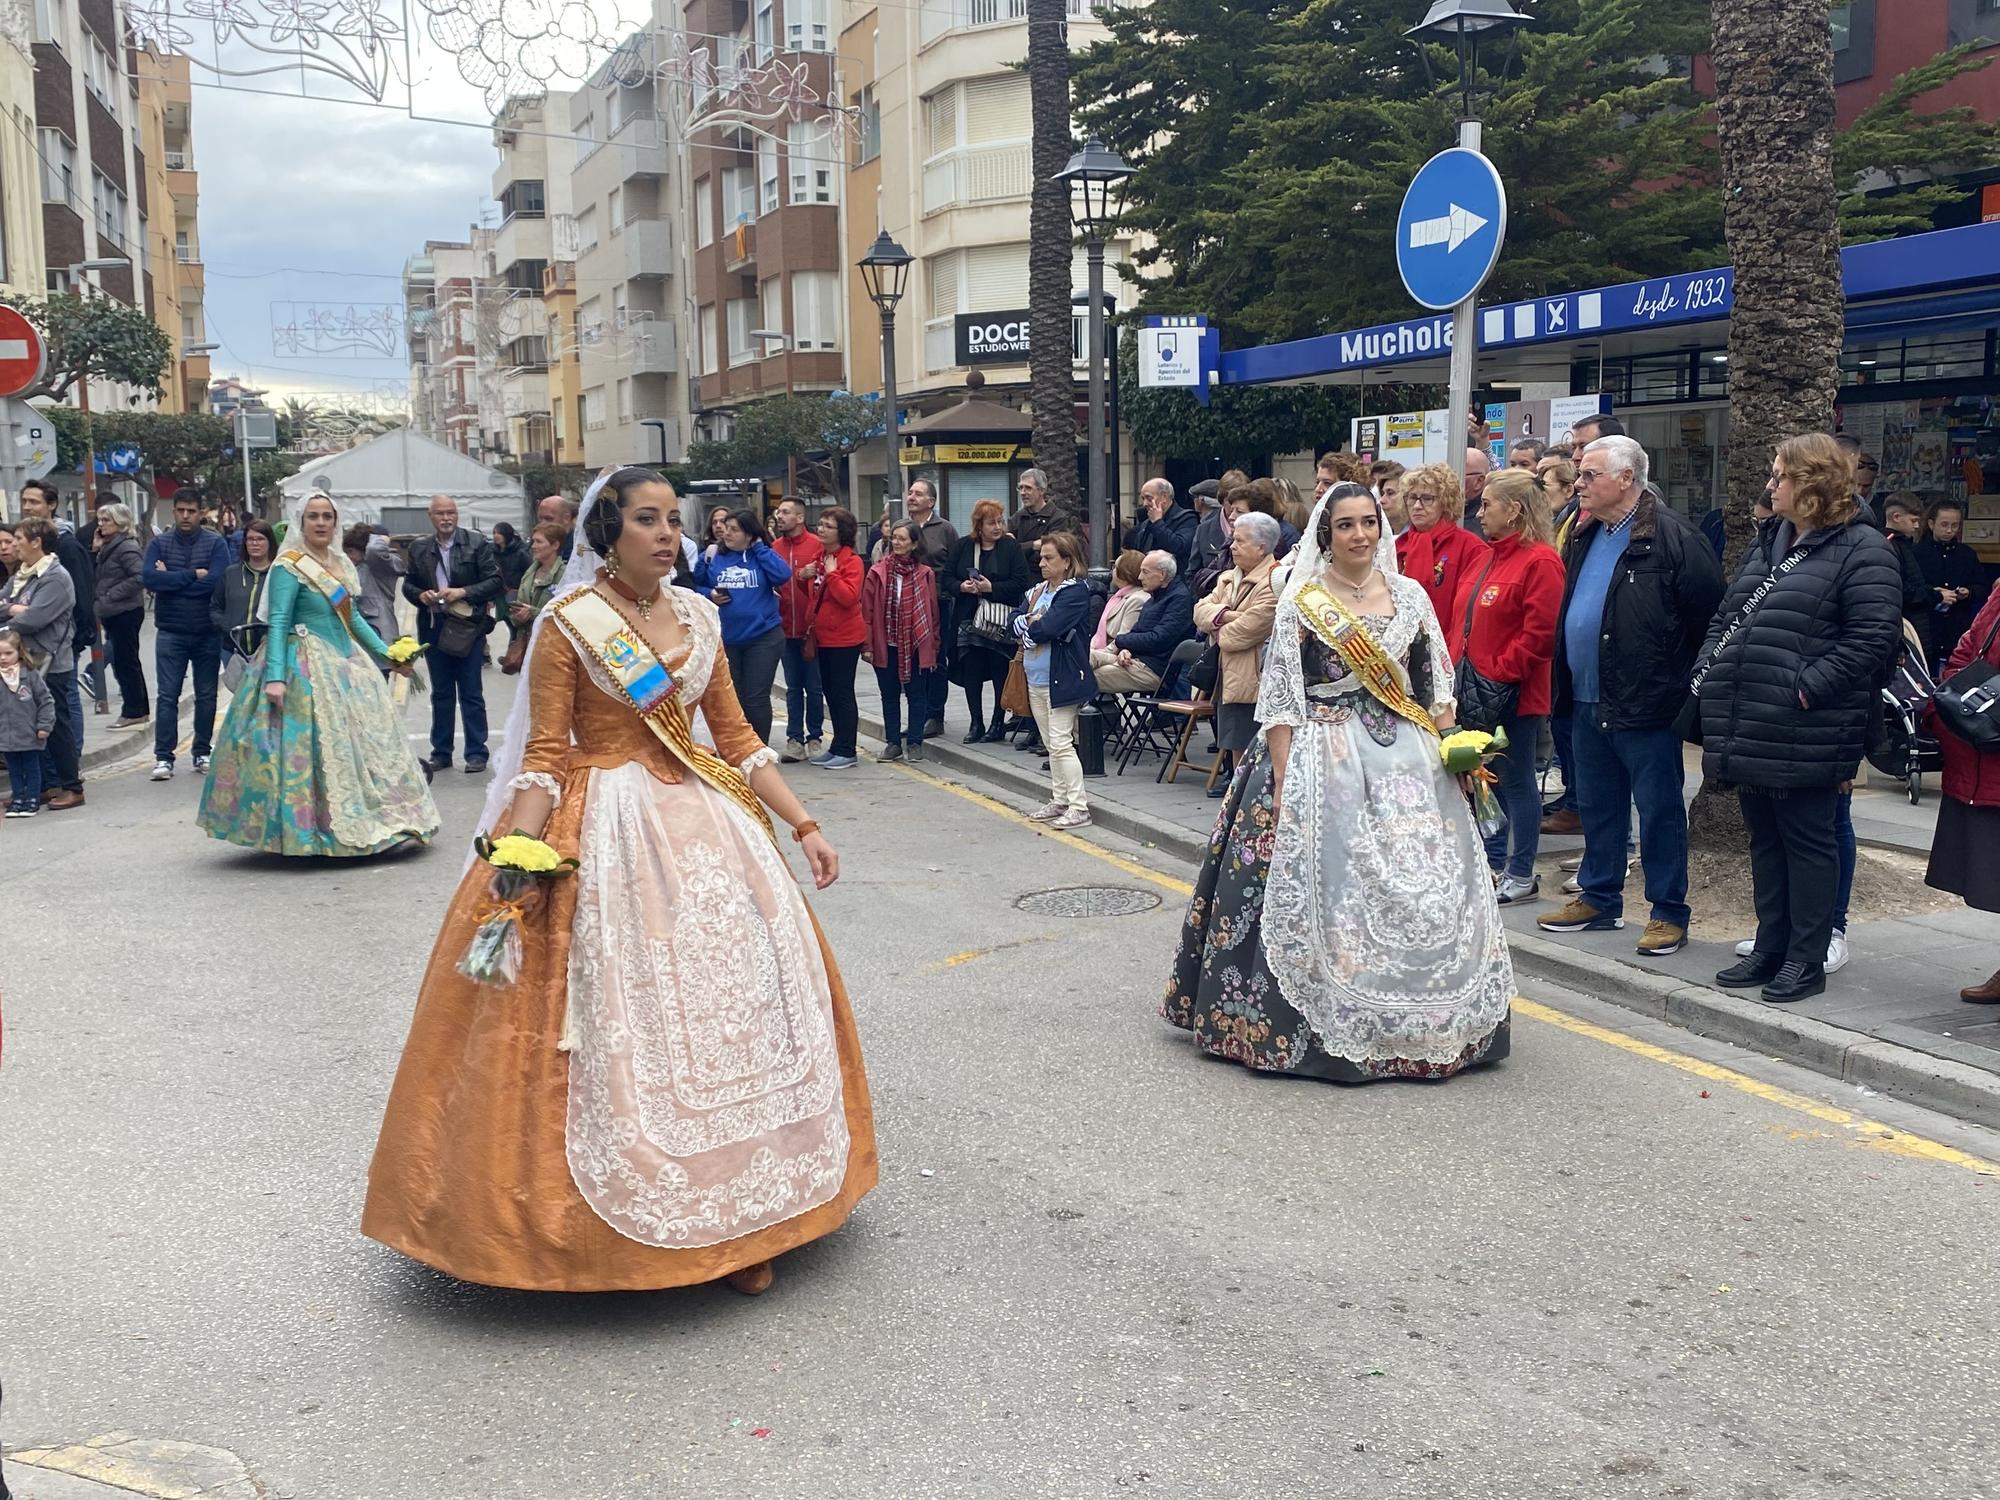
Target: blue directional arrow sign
{"type": "Point", "coordinates": [1453, 222]}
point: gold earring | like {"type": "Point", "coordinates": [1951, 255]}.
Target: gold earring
{"type": "Point", "coordinates": [611, 565]}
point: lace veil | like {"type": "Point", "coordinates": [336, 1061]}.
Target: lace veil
{"type": "Point", "coordinates": [584, 562]}
{"type": "Point", "coordinates": [338, 563]}
{"type": "Point", "coordinates": [1281, 695]}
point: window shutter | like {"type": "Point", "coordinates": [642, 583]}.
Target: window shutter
{"type": "Point", "coordinates": [941, 122]}
{"type": "Point", "coordinates": [997, 109]}
{"type": "Point", "coordinates": [996, 278]}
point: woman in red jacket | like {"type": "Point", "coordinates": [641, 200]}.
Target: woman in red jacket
{"type": "Point", "coordinates": [839, 632]}
{"type": "Point", "coordinates": [1436, 550]}
{"type": "Point", "coordinates": [1965, 850]}
{"type": "Point", "coordinates": [1505, 615]}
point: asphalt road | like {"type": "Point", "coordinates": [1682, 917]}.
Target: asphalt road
{"type": "Point", "coordinates": [1097, 1264]}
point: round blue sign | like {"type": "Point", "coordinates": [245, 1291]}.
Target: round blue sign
{"type": "Point", "coordinates": [124, 459]}
{"type": "Point", "coordinates": [1453, 222]}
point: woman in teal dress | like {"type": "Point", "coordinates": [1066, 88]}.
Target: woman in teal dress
{"type": "Point", "coordinates": [316, 762]}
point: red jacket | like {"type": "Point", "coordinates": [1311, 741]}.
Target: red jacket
{"type": "Point", "coordinates": [795, 596]}
{"type": "Point", "coordinates": [1439, 559]}
{"type": "Point", "coordinates": [1970, 777]}
{"type": "Point", "coordinates": [1514, 617]}
{"type": "Point", "coordinates": [838, 622]}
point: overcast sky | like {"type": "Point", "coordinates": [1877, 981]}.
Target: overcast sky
{"type": "Point", "coordinates": [307, 201]}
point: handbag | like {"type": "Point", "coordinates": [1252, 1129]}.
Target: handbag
{"type": "Point", "coordinates": [1483, 704]}
{"type": "Point", "coordinates": [517, 650]}
{"type": "Point", "coordinates": [1014, 692]}
{"type": "Point", "coordinates": [1968, 701]}
{"type": "Point", "coordinates": [809, 642]}
{"type": "Point", "coordinates": [993, 621]}
{"type": "Point", "coordinates": [459, 635]}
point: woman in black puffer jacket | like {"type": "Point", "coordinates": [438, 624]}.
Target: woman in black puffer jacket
{"type": "Point", "coordinates": [1788, 683]}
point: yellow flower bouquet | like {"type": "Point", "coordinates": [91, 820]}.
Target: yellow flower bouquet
{"type": "Point", "coordinates": [1470, 753]}
{"type": "Point", "coordinates": [521, 867]}
{"type": "Point", "coordinates": [404, 648]}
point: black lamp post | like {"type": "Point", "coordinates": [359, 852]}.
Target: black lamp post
{"type": "Point", "coordinates": [1096, 178]}
{"type": "Point", "coordinates": [885, 271]}
{"type": "Point", "coordinates": [1462, 25]}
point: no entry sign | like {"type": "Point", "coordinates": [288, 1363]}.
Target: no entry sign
{"type": "Point", "coordinates": [21, 353]}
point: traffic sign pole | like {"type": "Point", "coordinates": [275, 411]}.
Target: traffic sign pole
{"type": "Point", "coordinates": [1464, 344]}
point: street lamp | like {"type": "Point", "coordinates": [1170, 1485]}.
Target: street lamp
{"type": "Point", "coordinates": [1096, 179]}
{"type": "Point", "coordinates": [76, 270]}
{"type": "Point", "coordinates": [1462, 24]}
{"type": "Point", "coordinates": [885, 271]}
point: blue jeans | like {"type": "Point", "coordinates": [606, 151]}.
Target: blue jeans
{"type": "Point", "coordinates": [1843, 838]}
{"type": "Point", "coordinates": [916, 693]}
{"type": "Point", "coordinates": [1559, 731]}
{"type": "Point", "coordinates": [1615, 769]}
{"type": "Point", "coordinates": [805, 704]}
{"type": "Point", "coordinates": [69, 705]}
{"type": "Point", "coordinates": [1519, 799]}
{"type": "Point", "coordinates": [24, 777]}
{"type": "Point", "coordinates": [173, 655]}
{"type": "Point", "coordinates": [457, 690]}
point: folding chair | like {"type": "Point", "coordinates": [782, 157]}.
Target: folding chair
{"type": "Point", "coordinates": [1144, 734]}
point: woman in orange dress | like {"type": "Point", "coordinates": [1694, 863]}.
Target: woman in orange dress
{"type": "Point", "coordinates": [672, 1092]}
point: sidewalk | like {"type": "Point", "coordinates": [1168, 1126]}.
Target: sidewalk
{"type": "Point", "coordinates": [1890, 1021]}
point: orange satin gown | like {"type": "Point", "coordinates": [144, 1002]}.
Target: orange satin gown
{"type": "Point", "coordinates": [470, 1173]}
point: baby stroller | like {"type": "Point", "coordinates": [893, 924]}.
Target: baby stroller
{"type": "Point", "coordinates": [1901, 746]}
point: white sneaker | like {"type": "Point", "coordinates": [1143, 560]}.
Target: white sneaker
{"type": "Point", "coordinates": [1075, 817]}
{"type": "Point", "coordinates": [1749, 946]}
{"type": "Point", "coordinates": [1048, 812]}
{"type": "Point", "coordinates": [1571, 863]}
{"type": "Point", "coordinates": [163, 770]}
{"type": "Point", "coordinates": [1572, 887]}
{"type": "Point", "coordinates": [1512, 891]}
{"type": "Point", "coordinates": [201, 763]}
{"type": "Point", "coordinates": [1836, 952]}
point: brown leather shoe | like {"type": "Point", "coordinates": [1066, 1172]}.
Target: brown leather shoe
{"type": "Point", "coordinates": [752, 1281]}
{"type": "Point", "coordinates": [1568, 820]}
{"type": "Point", "coordinates": [62, 801]}
{"type": "Point", "coordinates": [1983, 994]}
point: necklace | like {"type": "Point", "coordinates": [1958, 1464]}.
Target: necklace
{"type": "Point", "coordinates": [1356, 589]}
{"type": "Point", "coordinates": [645, 606]}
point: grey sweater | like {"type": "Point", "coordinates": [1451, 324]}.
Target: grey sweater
{"type": "Point", "coordinates": [27, 712]}
{"type": "Point", "coordinates": [47, 624]}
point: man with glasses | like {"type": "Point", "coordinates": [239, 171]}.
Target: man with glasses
{"type": "Point", "coordinates": [1867, 474]}
{"type": "Point", "coordinates": [1642, 586]}
{"type": "Point", "coordinates": [1037, 517]}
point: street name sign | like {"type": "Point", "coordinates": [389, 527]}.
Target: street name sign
{"type": "Point", "coordinates": [21, 353]}
{"type": "Point", "coordinates": [1453, 222]}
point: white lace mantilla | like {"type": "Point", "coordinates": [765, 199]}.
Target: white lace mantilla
{"type": "Point", "coordinates": [1379, 922]}
{"type": "Point", "coordinates": [705, 1097]}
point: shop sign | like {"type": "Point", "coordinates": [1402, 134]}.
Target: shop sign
{"type": "Point", "coordinates": [1416, 338]}
{"type": "Point", "coordinates": [909, 458]}
{"type": "Point", "coordinates": [975, 453]}
{"type": "Point", "coordinates": [994, 338]}
{"type": "Point", "coordinates": [1664, 302]}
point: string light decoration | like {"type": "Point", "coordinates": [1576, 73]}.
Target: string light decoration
{"type": "Point", "coordinates": [351, 330]}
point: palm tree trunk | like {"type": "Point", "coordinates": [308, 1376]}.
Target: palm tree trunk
{"type": "Point", "coordinates": [1051, 376]}
{"type": "Point", "coordinates": [1774, 114]}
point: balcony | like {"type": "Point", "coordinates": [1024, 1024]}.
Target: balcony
{"type": "Point", "coordinates": [939, 17]}
{"type": "Point", "coordinates": [183, 186]}
{"type": "Point", "coordinates": [654, 348]}
{"type": "Point", "coordinates": [641, 144]}
{"type": "Point", "coordinates": [646, 248]}
{"type": "Point", "coordinates": [978, 174]}
{"type": "Point", "coordinates": [193, 279]}
{"type": "Point", "coordinates": [739, 247]}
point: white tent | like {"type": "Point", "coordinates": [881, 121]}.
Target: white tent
{"type": "Point", "coordinates": [400, 471]}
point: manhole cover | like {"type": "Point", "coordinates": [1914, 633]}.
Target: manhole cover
{"type": "Point", "coordinates": [1088, 901]}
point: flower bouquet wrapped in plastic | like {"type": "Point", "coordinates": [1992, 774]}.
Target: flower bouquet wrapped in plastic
{"type": "Point", "coordinates": [521, 866]}
{"type": "Point", "coordinates": [1470, 753]}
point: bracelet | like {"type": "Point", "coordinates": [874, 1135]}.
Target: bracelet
{"type": "Point", "coordinates": [799, 833]}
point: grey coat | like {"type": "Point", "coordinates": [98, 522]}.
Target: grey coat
{"type": "Point", "coordinates": [119, 590]}
{"type": "Point", "coordinates": [27, 713]}
{"type": "Point", "coordinates": [48, 622]}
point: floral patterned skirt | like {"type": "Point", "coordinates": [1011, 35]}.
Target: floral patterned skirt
{"type": "Point", "coordinates": [332, 775]}
{"type": "Point", "coordinates": [1221, 989]}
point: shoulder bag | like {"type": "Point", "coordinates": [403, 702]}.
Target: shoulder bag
{"type": "Point", "coordinates": [1483, 704]}
{"type": "Point", "coordinates": [1968, 701]}
{"type": "Point", "coordinates": [1689, 722]}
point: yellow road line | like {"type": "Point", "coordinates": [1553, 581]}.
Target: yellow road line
{"type": "Point", "coordinates": [1868, 1134]}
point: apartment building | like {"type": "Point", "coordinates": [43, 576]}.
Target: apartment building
{"type": "Point", "coordinates": [23, 269]}
{"type": "Point", "coordinates": [94, 201]}
{"type": "Point", "coordinates": [517, 420]}
{"type": "Point", "coordinates": [769, 268]}
{"type": "Point", "coordinates": [174, 280]}
{"type": "Point", "coordinates": [630, 297]}
{"type": "Point", "coordinates": [943, 162]}
{"type": "Point", "coordinates": [565, 365]}
{"type": "Point", "coordinates": [445, 292]}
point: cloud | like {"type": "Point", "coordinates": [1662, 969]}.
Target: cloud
{"type": "Point", "coordinates": [312, 201]}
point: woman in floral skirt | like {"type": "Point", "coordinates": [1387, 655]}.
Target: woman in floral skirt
{"type": "Point", "coordinates": [1343, 925]}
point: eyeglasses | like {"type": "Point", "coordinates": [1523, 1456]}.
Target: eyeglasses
{"type": "Point", "coordinates": [1868, 463]}
{"type": "Point", "coordinates": [1590, 476]}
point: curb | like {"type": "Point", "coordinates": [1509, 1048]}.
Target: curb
{"type": "Point", "coordinates": [125, 744]}
{"type": "Point", "coordinates": [1951, 1088]}
{"type": "Point", "coordinates": [1915, 1077]}
{"type": "Point", "coordinates": [1029, 784]}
